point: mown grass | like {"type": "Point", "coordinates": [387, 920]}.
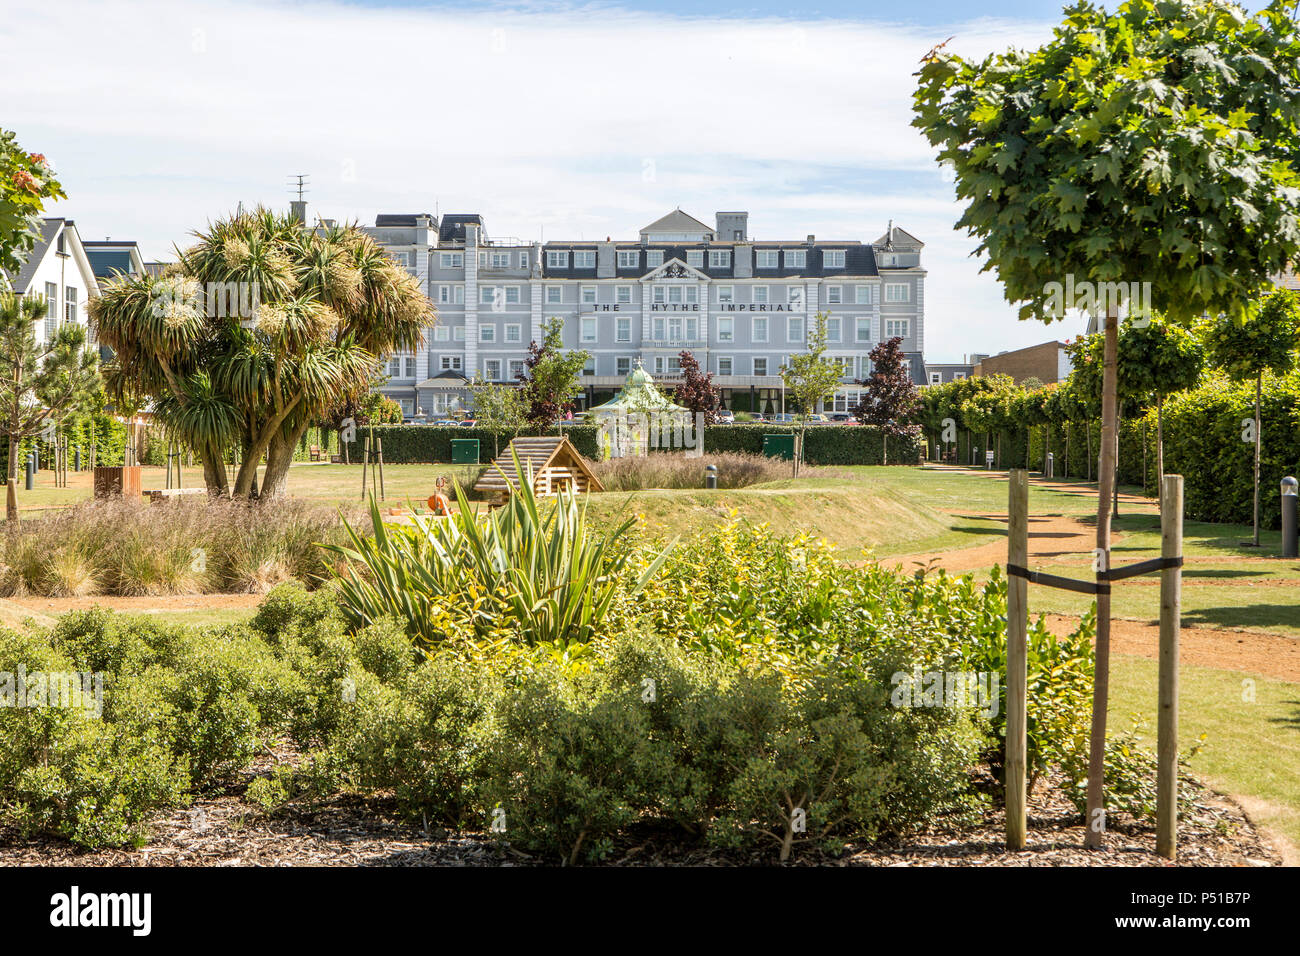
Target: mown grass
{"type": "Point", "coordinates": [1252, 747]}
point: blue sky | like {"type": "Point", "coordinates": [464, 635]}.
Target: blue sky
{"type": "Point", "coordinates": [552, 119]}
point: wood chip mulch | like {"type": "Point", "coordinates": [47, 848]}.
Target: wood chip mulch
{"type": "Point", "coordinates": [221, 829]}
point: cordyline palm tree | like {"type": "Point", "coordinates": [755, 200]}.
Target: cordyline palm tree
{"type": "Point", "coordinates": [328, 303]}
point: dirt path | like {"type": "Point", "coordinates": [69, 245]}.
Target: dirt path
{"type": "Point", "coordinates": [147, 604]}
{"type": "Point", "coordinates": [1052, 536]}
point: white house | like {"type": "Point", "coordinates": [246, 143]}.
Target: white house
{"type": "Point", "coordinates": [58, 269]}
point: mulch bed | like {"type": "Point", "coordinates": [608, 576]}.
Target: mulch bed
{"type": "Point", "coordinates": [221, 829]}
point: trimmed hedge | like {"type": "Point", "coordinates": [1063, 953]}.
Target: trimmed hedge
{"type": "Point", "coordinates": [826, 444]}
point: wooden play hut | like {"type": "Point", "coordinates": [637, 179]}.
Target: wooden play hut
{"type": "Point", "coordinates": [555, 464]}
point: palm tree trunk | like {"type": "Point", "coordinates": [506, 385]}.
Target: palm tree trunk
{"type": "Point", "coordinates": [1095, 820]}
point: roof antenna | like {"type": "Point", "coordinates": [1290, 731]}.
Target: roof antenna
{"type": "Point", "coordinates": [889, 235]}
{"type": "Point", "coordinates": [298, 207]}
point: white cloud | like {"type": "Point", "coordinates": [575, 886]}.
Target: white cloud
{"type": "Point", "coordinates": [589, 121]}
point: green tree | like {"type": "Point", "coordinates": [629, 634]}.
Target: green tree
{"type": "Point", "coordinates": [889, 397]}
{"type": "Point", "coordinates": [1267, 343]}
{"type": "Point", "coordinates": [1159, 138]}
{"type": "Point", "coordinates": [26, 181]}
{"type": "Point", "coordinates": [811, 379]}
{"type": "Point", "coordinates": [262, 328]}
{"type": "Point", "coordinates": [38, 382]}
{"type": "Point", "coordinates": [498, 407]}
{"type": "Point", "coordinates": [550, 380]}
{"type": "Point", "coordinates": [1161, 359]}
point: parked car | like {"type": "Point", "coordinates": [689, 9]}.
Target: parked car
{"type": "Point", "coordinates": [445, 421]}
{"type": "Point", "coordinates": [468, 422]}
{"type": "Point", "coordinates": [842, 418]}
{"type": "Point", "coordinates": [726, 418]}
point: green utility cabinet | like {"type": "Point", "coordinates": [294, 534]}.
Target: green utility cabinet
{"type": "Point", "coordinates": [464, 451]}
{"type": "Point", "coordinates": [779, 446]}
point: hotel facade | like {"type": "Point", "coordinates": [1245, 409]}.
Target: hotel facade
{"type": "Point", "coordinates": [742, 306]}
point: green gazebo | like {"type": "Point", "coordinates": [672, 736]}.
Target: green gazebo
{"type": "Point", "coordinates": [637, 418]}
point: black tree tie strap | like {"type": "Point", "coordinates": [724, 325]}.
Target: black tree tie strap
{"type": "Point", "coordinates": [1054, 581]}
{"type": "Point", "coordinates": [1142, 567]}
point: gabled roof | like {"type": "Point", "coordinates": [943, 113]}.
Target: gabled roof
{"type": "Point", "coordinates": [674, 269]}
{"type": "Point", "coordinates": [676, 222]}
{"type": "Point", "coordinates": [535, 454]}
{"type": "Point", "coordinates": [50, 229]}
{"type": "Point", "coordinates": [894, 236]}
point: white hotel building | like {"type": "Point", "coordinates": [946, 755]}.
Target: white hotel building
{"type": "Point", "coordinates": [741, 305]}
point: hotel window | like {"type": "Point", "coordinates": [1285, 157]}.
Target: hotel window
{"type": "Point", "coordinates": [523, 260]}
{"type": "Point", "coordinates": [759, 294]}
{"type": "Point", "coordinates": [668, 365]}
{"type": "Point", "coordinates": [492, 370]}
{"type": "Point", "coordinates": [724, 365]}
{"type": "Point", "coordinates": [629, 259]}
{"type": "Point", "coordinates": [590, 367]}
{"type": "Point", "coordinates": [458, 333]}
{"type": "Point", "coordinates": [846, 364]}
{"type": "Point", "coordinates": [795, 326]}
{"type": "Point", "coordinates": [897, 292]}
{"type": "Point", "coordinates": [409, 362]}
{"type": "Point", "coordinates": [395, 366]}
{"type": "Point", "coordinates": [557, 258]}
{"type": "Point", "coordinates": [516, 368]}
{"type": "Point", "coordinates": [451, 295]}
{"type": "Point", "coordinates": [834, 295]}
{"type": "Point", "coordinates": [794, 295]}
{"type": "Point", "coordinates": [584, 259]}
{"type": "Point", "coordinates": [692, 294]}
{"type": "Point", "coordinates": [623, 330]}
{"type": "Point", "coordinates": [588, 296]}
{"type": "Point", "coordinates": [719, 258]}
{"type": "Point", "coordinates": [957, 376]}
{"type": "Point", "coordinates": [441, 333]}
{"type": "Point", "coordinates": [69, 304]}
{"type": "Point", "coordinates": [487, 295]}
{"type": "Point", "coordinates": [622, 365]}
{"type": "Point", "coordinates": [862, 295]}
{"type": "Point", "coordinates": [512, 295]}
{"type": "Point", "coordinates": [659, 296]}
{"type": "Point", "coordinates": [833, 259]}
{"type": "Point", "coordinates": [767, 259]}
{"type": "Point", "coordinates": [832, 329]}
{"type": "Point", "coordinates": [52, 313]}
{"type": "Point", "coordinates": [936, 378]}
{"type": "Point", "coordinates": [482, 260]}
{"type": "Point", "coordinates": [623, 294]}
{"type": "Point", "coordinates": [554, 295]}
{"type": "Point", "coordinates": [500, 260]}
{"type": "Point", "coordinates": [796, 258]}
{"type": "Point", "coordinates": [726, 329]}
{"type": "Point", "coordinates": [514, 333]}
{"type": "Point", "coordinates": [487, 333]}
{"type": "Point", "coordinates": [896, 328]}
{"type": "Point", "coordinates": [695, 257]}
{"type": "Point", "coordinates": [862, 329]}
{"type": "Point", "coordinates": [760, 330]}
{"type": "Point", "coordinates": [403, 259]}
{"type": "Point", "coordinates": [864, 367]}
{"type": "Point", "coordinates": [657, 330]}
{"type": "Point", "coordinates": [451, 363]}
{"type": "Point", "coordinates": [726, 293]}
{"type": "Point", "coordinates": [654, 258]}
{"type": "Point", "coordinates": [760, 366]}
{"type": "Point", "coordinates": [907, 366]}
{"type": "Point", "coordinates": [588, 330]}
{"type": "Point", "coordinates": [451, 260]}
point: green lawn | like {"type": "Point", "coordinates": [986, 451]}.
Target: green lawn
{"type": "Point", "coordinates": [1252, 747]}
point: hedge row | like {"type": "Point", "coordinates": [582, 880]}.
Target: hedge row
{"type": "Point", "coordinates": [1203, 432]}
{"type": "Point", "coordinates": [824, 444]}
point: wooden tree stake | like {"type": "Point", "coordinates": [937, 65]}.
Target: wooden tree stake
{"type": "Point", "coordinates": [1171, 594]}
{"type": "Point", "coordinates": [1017, 658]}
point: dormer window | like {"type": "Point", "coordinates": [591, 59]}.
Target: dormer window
{"type": "Point", "coordinates": [833, 259]}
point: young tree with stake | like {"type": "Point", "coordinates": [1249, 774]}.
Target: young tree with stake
{"type": "Point", "coordinates": [1158, 139]}
{"type": "Point", "coordinates": [811, 379]}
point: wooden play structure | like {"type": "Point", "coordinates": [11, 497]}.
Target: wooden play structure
{"type": "Point", "coordinates": [555, 465]}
